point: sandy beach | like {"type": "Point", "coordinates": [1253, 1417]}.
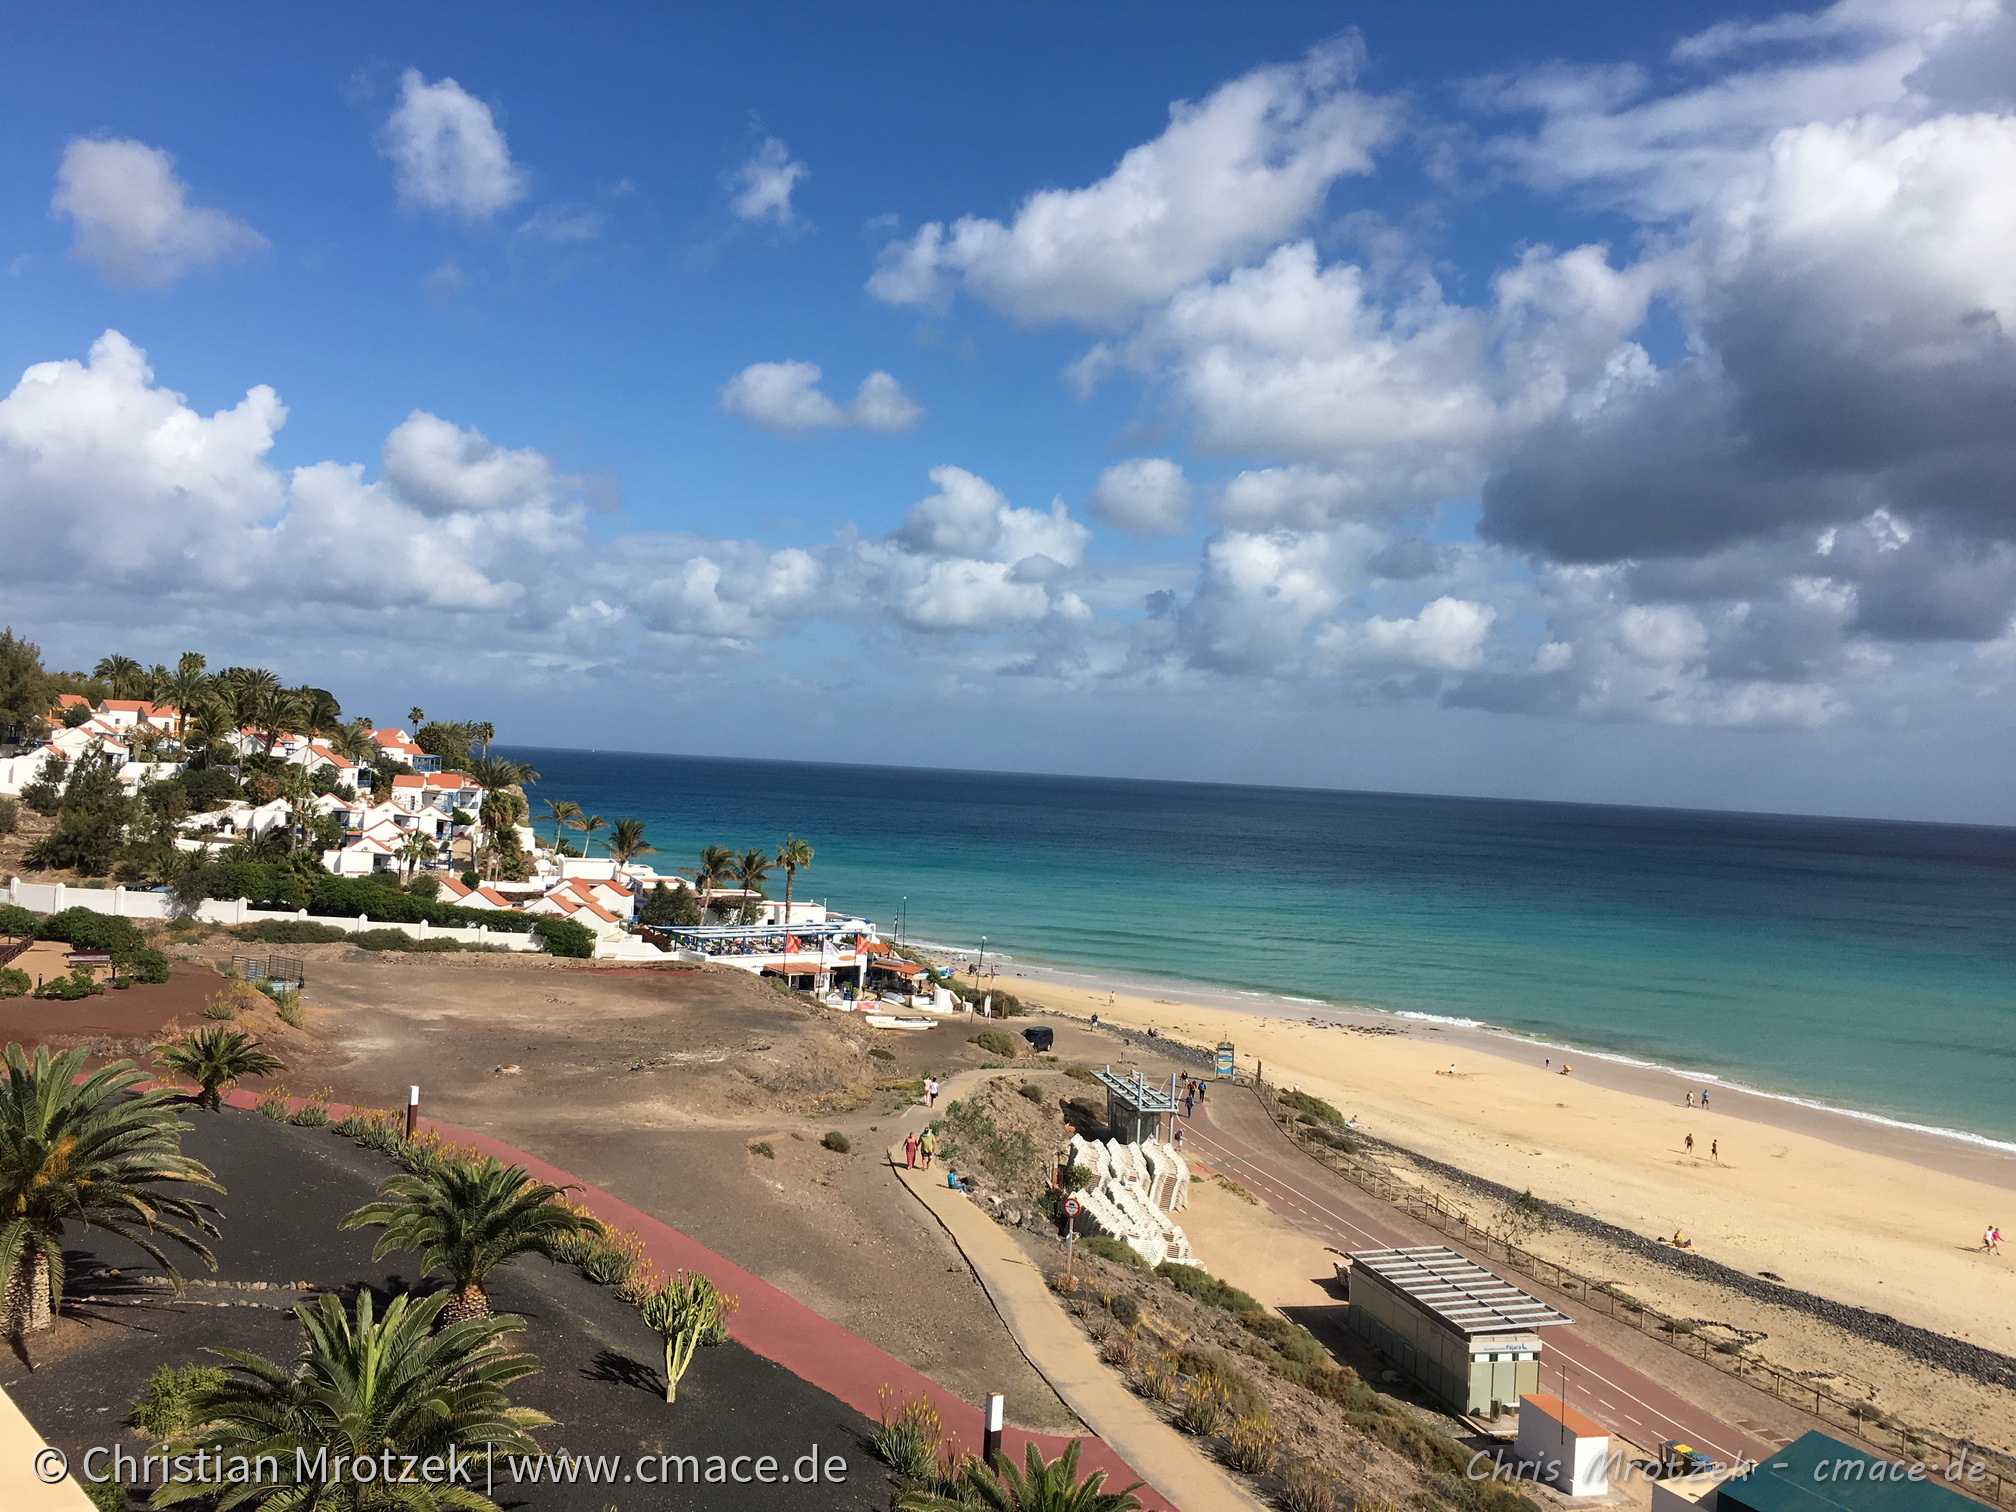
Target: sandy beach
{"type": "Point", "coordinates": [1854, 1210]}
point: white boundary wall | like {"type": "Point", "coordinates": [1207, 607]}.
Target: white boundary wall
{"type": "Point", "coordinates": [54, 897]}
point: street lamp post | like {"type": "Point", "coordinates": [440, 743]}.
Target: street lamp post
{"type": "Point", "coordinates": [982, 965]}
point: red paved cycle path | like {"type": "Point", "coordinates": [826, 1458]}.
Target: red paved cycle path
{"type": "Point", "coordinates": [1326, 1205]}
{"type": "Point", "coordinates": [779, 1327]}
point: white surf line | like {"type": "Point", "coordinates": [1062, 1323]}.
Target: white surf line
{"type": "Point", "coordinates": [1659, 1421]}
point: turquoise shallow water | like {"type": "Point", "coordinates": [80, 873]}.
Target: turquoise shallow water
{"type": "Point", "coordinates": [1867, 964]}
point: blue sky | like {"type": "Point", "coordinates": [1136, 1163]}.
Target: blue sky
{"type": "Point", "coordinates": [1571, 401]}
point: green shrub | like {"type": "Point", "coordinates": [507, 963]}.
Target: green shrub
{"type": "Point", "coordinates": [17, 921]}
{"type": "Point", "coordinates": [291, 932]}
{"type": "Point", "coordinates": [208, 787]}
{"type": "Point", "coordinates": [10, 815]}
{"type": "Point", "coordinates": [1119, 1251]}
{"type": "Point", "coordinates": [163, 1410]}
{"type": "Point", "coordinates": [1034, 1093]}
{"type": "Point", "coordinates": [563, 937]}
{"type": "Point", "coordinates": [878, 1053]}
{"type": "Point", "coordinates": [147, 966]}
{"type": "Point", "coordinates": [15, 982]}
{"type": "Point", "coordinates": [1081, 1073]}
{"type": "Point", "coordinates": [1126, 1311]}
{"type": "Point", "coordinates": [606, 1265]}
{"type": "Point", "coordinates": [1313, 1107]}
{"type": "Point", "coordinates": [837, 1142]}
{"type": "Point", "coordinates": [86, 929]}
{"type": "Point", "coordinates": [996, 1042]}
{"type": "Point", "coordinates": [108, 1495]}
{"type": "Point", "coordinates": [1076, 1178]}
{"type": "Point", "coordinates": [762, 1147]}
{"type": "Point", "coordinates": [399, 940]}
{"type": "Point", "coordinates": [69, 989]}
{"type": "Point", "coordinates": [1208, 1289]}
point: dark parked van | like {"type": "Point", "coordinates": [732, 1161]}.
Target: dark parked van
{"type": "Point", "coordinates": [1039, 1037]}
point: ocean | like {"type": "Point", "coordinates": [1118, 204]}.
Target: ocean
{"type": "Point", "coordinates": [1863, 964]}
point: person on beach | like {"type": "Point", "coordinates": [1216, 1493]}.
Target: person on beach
{"type": "Point", "coordinates": [1690, 1099]}
{"type": "Point", "coordinates": [1715, 1149]}
{"type": "Point", "coordinates": [930, 1091]}
{"type": "Point", "coordinates": [928, 1146]}
{"type": "Point", "coordinates": [1564, 1068]}
{"type": "Point", "coordinates": [1095, 1021]}
{"type": "Point", "coordinates": [1690, 1144]}
{"type": "Point", "coordinates": [1704, 1097]}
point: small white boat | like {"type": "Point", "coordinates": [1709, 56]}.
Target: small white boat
{"type": "Point", "coordinates": [899, 1021]}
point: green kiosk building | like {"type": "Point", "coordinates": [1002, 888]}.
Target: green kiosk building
{"type": "Point", "coordinates": [1466, 1335]}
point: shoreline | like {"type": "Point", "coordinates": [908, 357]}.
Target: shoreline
{"type": "Point", "coordinates": [1955, 1152]}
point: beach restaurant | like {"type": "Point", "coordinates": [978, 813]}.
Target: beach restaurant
{"type": "Point", "coordinates": [1469, 1337]}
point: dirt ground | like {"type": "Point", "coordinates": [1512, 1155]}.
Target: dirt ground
{"type": "Point", "coordinates": [116, 1022]}
{"type": "Point", "coordinates": [663, 1087]}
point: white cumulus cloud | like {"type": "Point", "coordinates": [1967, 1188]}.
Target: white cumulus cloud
{"type": "Point", "coordinates": [762, 187]}
{"type": "Point", "coordinates": [447, 151]}
{"type": "Point", "coordinates": [785, 396]}
{"type": "Point", "coordinates": [1143, 496]}
{"type": "Point", "coordinates": [133, 218]}
{"type": "Point", "coordinates": [1228, 177]}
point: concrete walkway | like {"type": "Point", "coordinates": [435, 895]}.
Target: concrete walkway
{"type": "Point", "coordinates": [1169, 1461]}
{"type": "Point", "coordinates": [22, 1488]}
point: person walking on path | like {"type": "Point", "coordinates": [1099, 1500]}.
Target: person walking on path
{"type": "Point", "coordinates": [928, 1146]}
{"type": "Point", "coordinates": [1992, 1240]}
{"type": "Point", "coordinates": [910, 1152]}
{"type": "Point", "coordinates": [1189, 1104]}
{"type": "Point", "coordinates": [1690, 1144]}
{"type": "Point", "coordinates": [1690, 1099]}
{"type": "Point", "coordinates": [1715, 1149]}
{"type": "Point", "coordinates": [930, 1091]}
{"type": "Point", "coordinates": [1704, 1097]}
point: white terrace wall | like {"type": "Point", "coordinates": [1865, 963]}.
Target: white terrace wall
{"type": "Point", "coordinates": [53, 897]}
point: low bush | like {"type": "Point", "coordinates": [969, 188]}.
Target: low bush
{"type": "Point", "coordinates": [69, 989]}
{"type": "Point", "coordinates": [837, 1142]}
{"type": "Point", "coordinates": [291, 932]}
{"type": "Point", "coordinates": [878, 1053]}
{"type": "Point", "coordinates": [314, 1113]}
{"type": "Point", "coordinates": [14, 982]}
{"type": "Point", "coordinates": [399, 940]}
{"type": "Point", "coordinates": [146, 966]}
{"type": "Point", "coordinates": [1312, 1107]}
{"type": "Point", "coordinates": [1126, 1311]}
{"type": "Point", "coordinates": [273, 1104]}
{"type": "Point", "coordinates": [1120, 1350]}
{"type": "Point", "coordinates": [1034, 1093]}
{"type": "Point", "coordinates": [996, 1042]}
{"type": "Point", "coordinates": [1208, 1289]}
{"type": "Point", "coordinates": [1201, 1408]}
{"type": "Point", "coordinates": [10, 815]}
{"type": "Point", "coordinates": [1119, 1251]}
{"type": "Point", "coordinates": [762, 1147]}
{"type": "Point", "coordinates": [563, 937]}
{"type": "Point", "coordinates": [165, 1409]}
{"type": "Point", "coordinates": [17, 921]}
{"type": "Point", "coordinates": [1081, 1073]}
{"type": "Point", "coordinates": [85, 929]}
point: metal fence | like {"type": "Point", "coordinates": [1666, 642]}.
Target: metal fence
{"type": "Point", "coordinates": [1882, 1431]}
{"type": "Point", "coordinates": [284, 971]}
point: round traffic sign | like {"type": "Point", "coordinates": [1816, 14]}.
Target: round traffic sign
{"type": "Point", "coordinates": [1073, 1207]}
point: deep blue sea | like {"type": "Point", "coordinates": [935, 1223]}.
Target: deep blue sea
{"type": "Point", "coordinates": [1866, 964]}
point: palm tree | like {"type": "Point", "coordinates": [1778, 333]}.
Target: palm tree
{"type": "Point", "coordinates": [717, 863]}
{"type": "Point", "coordinates": [354, 741]}
{"type": "Point", "coordinates": [185, 687]}
{"type": "Point", "coordinates": [498, 772]}
{"type": "Point", "coordinates": [483, 732]}
{"type": "Point", "coordinates": [95, 1152]}
{"type": "Point", "coordinates": [215, 1059]}
{"type": "Point", "coordinates": [750, 870]}
{"type": "Point", "coordinates": [590, 826]}
{"type": "Point", "coordinates": [320, 713]}
{"type": "Point", "coordinates": [1036, 1487]}
{"type": "Point", "coordinates": [791, 855]}
{"type": "Point", "coordinates": [469, 1217]}
{"type": "Point", "coordinates": [248, 687]}
{"type": "Point", "coordinates": [364, 1387]}
{"type": "Point", "coordinates": [298, 788]}
{"type": "Point", "coordinates": [121, 673]}
{"type": "Point", "coordinates": [418, 715]}
{"type": "Point", "coordinates": [626, 842]}
{"type": "Point", "coordinates": [211, 729]}
{"type": "Point", "coordinates": [562, 811]}
{"type": "Point", "coordinates": [415, 849]}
